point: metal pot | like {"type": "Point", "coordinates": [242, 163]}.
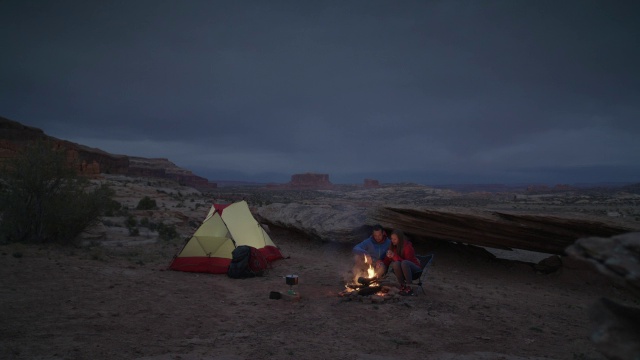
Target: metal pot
{"type": "Point", "coordinates": [292, 279]}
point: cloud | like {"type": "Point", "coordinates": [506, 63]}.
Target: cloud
{"type": "Point", "coordinates": [400, 91]}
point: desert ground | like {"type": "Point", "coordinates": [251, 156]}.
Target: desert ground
{"type": "Point", "coordinates": [113, 298]}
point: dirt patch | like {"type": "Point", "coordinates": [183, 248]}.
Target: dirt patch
{"type": "Point", "coordinates": [62, 304]}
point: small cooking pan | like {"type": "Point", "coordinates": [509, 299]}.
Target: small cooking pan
{"type": "Point", "coordinates": [292, 279]}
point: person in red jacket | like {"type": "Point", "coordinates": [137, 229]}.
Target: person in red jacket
{"type": "Point", "coordinates": [401, 257]}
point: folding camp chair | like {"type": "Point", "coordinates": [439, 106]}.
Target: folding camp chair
{"type": "Point", "coordinates": [421, 276]}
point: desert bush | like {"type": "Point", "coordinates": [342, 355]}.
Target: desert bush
{"type": "Point", "coordinates": [167, 232]}
{"type": "Point", "coordinates": [152, 226]}
{"type": "Point", "coordinates": [44, 200]}
{"type": "Point", "coordinates": [146, 203]}
{"type": "Point", "coordinates": [113, 207]}
{"type": "Point", "coordinates": [130, 221]}
{"type": "Point", "coordinates": [123, 211]}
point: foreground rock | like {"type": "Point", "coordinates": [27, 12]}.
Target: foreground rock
{"type": "Point", "coordinates": [616, 325]}
{"type": "Point", "coordinates": [617, 257]}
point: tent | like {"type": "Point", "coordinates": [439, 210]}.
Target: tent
{"type": "Point", "coordinates": [225, 227]}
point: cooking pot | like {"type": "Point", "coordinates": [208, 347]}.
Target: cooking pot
{"type": "Point", "coordinates": [292, 279]}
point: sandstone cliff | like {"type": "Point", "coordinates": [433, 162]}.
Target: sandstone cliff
{"type": "Point", "coordinates": [93, 162]}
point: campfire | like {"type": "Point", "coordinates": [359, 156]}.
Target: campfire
{"type": "Point", "coordinates": [364, 283]}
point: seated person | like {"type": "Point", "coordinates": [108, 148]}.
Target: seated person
{"type": "Point", "coordinates": [372, 251]}
{"type": "Point", "coordinates": [401, 257]}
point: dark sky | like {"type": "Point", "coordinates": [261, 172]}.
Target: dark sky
{"type": "Point", "coordinates": [430, 92]}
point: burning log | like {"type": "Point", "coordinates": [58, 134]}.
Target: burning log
{"type": "Point", "coordinates": [369, 290]}
{"type": "Point", "coordinates": [367, 281]}
{"type": "Point", "coordinates": [365, 287]}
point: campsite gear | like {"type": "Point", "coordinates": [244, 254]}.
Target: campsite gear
{"type": "Point", "coordinates": [239, 267]}
{"type": "Point", "coordinates": [275, 295]}
{"type": "Point", "coordinates": [226, 227]}
{"type": "Point", "coordinates": [421, 276]}
{"type": "Point", "coordinates": [291, 280]}
{"type": "Point", "coordinates": [257, 262]}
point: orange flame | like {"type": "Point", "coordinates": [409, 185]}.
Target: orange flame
{"type": "Point", "coordinates": [371, 272]}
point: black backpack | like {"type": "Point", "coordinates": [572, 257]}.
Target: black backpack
{"type": "Point", "coordinates": [239, 267]}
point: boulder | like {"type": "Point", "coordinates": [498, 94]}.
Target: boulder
{"type": "Point", "coordinates": [616, 329]}
{"type": "Point", "coordinates": [549, 265]}
{"type": "Point", "coordinates": [618, 257]}
{"type": "Point", "coordinates": [616, 325]}
{"type": "Point", "coordinates": [341, 223]}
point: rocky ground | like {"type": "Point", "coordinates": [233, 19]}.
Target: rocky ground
{"type": "Point", "coordinates": [114, 298]}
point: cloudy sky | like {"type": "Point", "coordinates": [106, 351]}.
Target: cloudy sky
{"type": "Point", "coordinates": [431, 92]}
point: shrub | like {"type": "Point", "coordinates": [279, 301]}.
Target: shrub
{"type": "Point", "coordinates": [112, 208]}
{"type": "Point", "coordinates": [131, 222]}
{"type": "Point", "coordinates": [167, 232]}
{"type": "Point", "coordinates": [44, 200]}
{"type": "Point", "coordinates": [146, 203]}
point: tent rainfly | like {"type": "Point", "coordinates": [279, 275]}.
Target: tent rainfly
{"type": "Point", "coordinates": [226, 227]}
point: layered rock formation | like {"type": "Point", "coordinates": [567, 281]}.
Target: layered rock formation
{"type": "Point", "coordinates": [93, 162]}
{"type": "Point", "coordinates": [163, 168]}
{"type": "Point", "coordinates": [89, 161]}
{"type": "Point", "coordinates": [307, 181]}
{"type": "Point", "coordinates": [499, 230]}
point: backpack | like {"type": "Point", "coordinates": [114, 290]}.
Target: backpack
{"type": "Point", "coordinates": [257, 262]}
{"type": "Point", "coordinates": [246, 262]}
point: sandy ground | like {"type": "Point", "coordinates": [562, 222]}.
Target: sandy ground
{"type": "Point", "coordinates": [99, 304]}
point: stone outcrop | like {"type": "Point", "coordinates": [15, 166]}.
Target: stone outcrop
{"type": "Point", "coordinates": [163, 168]}
{"type": "Point", "coordinates": [500, 230]}
{"type": "Point", "coordinates": [340, 223]}
{"type": "Point", "coordinates": [307, 181]}
{"type": "Point", "coordinates": [89, 161]}
{"type": "Point", "coordinates": [544, 234]}
{"type": "Point", "coordinates": [93, 162]}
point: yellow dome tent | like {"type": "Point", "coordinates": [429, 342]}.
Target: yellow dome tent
{"type": "Point", "coordinates": [226, 227]}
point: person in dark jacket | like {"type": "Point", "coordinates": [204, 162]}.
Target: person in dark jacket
{"type": "Point", "coordinates": [372, 251]}
{"type": "Point", "coordinates": [401, 257]}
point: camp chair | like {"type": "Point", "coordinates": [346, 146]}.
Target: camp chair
{"type": "Point", "coordinates": [425, 261]}
{"type": "Point", "coordinates": [421, 276]}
